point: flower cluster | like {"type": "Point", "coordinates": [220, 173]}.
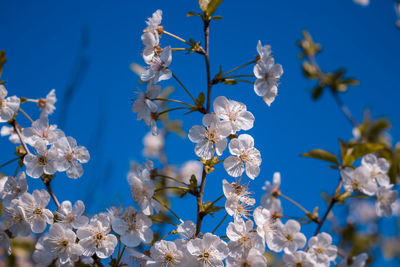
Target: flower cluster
{"type": "Point", "coordinates": [371, 179]}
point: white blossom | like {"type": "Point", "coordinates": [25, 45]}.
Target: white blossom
{"type": "Point", "coordinates": [355, 261]}
{"type": "Point", "coordinates": [145, 107]}
{"type": "Point", "coordinates": [254, 258]}
{"type": "Point", "coordinates": [14, 215]}
{"type": "Point", "coordinates": [209, 139]}
{"type": "Point", "coordinates": [358, 179]}
{"type": "Point", "coordinates": [243, 238]}
{"type": "Point", "coordinates": [4, 238]}
{"type": "Point", "coordinates": [134, 227]}
{"type": "Point", "coordinates": [238, 201]}
{"type": "Point", "coordinates": [288, 237]}
{"type": "Point", "coordinates": [267, 73]}
{"type": "Point", "coordinates": [8, 106]}
{"type": "Point", "coordinates": [158, 67]}
{"type": "Point", "coordinates": [166, 253]}
{"type": "Point", "coordinates": [153, 145]}
{"type": "Point", "coordinates": [267, 224]}
{"type": "Point", "coordinates": [142, 189]}
{"type": "Point", "coordinates": [41, 130]}
{"type": "Point", "coordinates": [47, 104]}
{"type": "Point", "coordinates": [96, 238]}
{"type": "Point", "coordinates": [187, 230]}
{"type": "Point", "coordinates": [189, 168]}
{"type": "Point", "coordinates": [42, 256]}
{"type": "Point", "coordinates": [245, 156]}
{"type": "Point", "coordinates": [270, 199]}
{"type": "Point", "coordinates": [264, 51]}
{"type": "Point", "coordinates": [150, 41]}
{"type": "Point", "coordinates": [378, 168]}
{"type": "Point", "coordinates": [70, 156]}
{"type": "Point", "coordinates": [233, 113]}
{"type": "Point", "coordinates": [208, 251]}
{"type": "Point", "coordinates": [12, 187]}
{"type": "Point", "coordinates": [385, 200]}
{"type": "Point", "coordinates": [62, 243]}
{"type": "Point", "coordinates": [43, 163]}
{"type": "Point", "coordinates": [35, 212]}
{"type": "Point", "coordinates": [6, 130]}
{"type": "Point", "coordinates": [362, 2]}
{"type": "Point", "coordinates": [154, 22]}
{"type": "Point", "coordinates": [321, 250]}
{"type": "Point", "coordinates": [298, 258]}
{"type": "Point", "coordinates": [72, 216]}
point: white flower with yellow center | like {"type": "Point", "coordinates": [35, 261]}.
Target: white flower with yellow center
{"type": "Point", "coordinates": [134, 227]}
{"type": "Point", "coordinates": [321, 250]}
{"type": "Point", "coordinates": [42, 163]}
{"type": "Point", "coordinates": [233, 113]}
{"type": "Point", "coordinates": [211, 138]}
{"type": "Point", "coordinates": [245, 156]}
{"type": "Point", "coordinates": [41, 130]}
{"type": "Point", "coordinates": [288, 238]}
{"type": "Point", "coordinates": [72, 216]}
{"type": "Point", "coordinates": [208, 251]}
{"type": "Point", "coordinates": [166, 253]}
{"type": "Point", "coordinates": [358, 179]}
{"type": "Point", "coordinates": [378, 169]}
{"type": "Point", "coordinates": [95, 238]}
{"type": "Point", "coordinates": [35, 212]}
{"type": "Point", "coordinates": [12, 187]}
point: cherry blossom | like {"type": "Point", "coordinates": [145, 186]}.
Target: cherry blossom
{"type": "Point", "coordinates": [385, 200]}
{"type": "Point", "coordinates": [298, 258]}
{"type": "Point", "coordinates": [245, 156]}
{"type": "Point", "coordinates": [48, 104]}
{"type": "Point", "coordinates": [35, 212]}
{"type": "Point", "coordinates": [378, 168]}
{"type": "Point", "coordinates": [41, 130]}
{"type": "Point", "coordinates": [61, 242]}
{"type": "Point", "coordinates": [288, 237]}
{"type": "Point", "coordinates": [233, 113]}
{"type": "Point", "coordinates": [321, 250]}
{"type": "Point", "coordinates": [355, 261]}
{"type": "Point", "coordinates": [166, 253]}
{"type": "Point", "coordinates": [45, 162]}
{"type": "Point", "coordinates": [209, 139]}
{"type": "Point", "coordinates": [358, 179]}
{"type": "Point", "coordinates": [70, 156]}
{"type": "Point", "coordinates": [270, 199]}
{"type": "Point", "coordinates": [254, 258]}
{"type": "Point", "coordinates": [95, 238]}
{"type": "Point", "coordinates": [8, 106]}
{"type": "Point", "coordinates": [158, 67]}
{"type": "Point", "coordinates": [12, 187]}
{"type": "Point", "coordinates": [14, 215]}
{"type": "Point", "coordinates": [208, 251]}
{"type": "Point", "coordinates": [72, 216]}
{"type": "Point", "coordinates": [134, 227]}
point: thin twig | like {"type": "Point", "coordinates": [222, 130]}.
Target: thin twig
{"type": "Point", "coordinates": [8, 162]}
{"type": "Point", "coordinates": [165, 206]}
{"type": "Point", "coordinates": [241, 66]}
{"type": "Point", "coordinates": [53, 196]}
{"type": "Point", "coordinates": [173, 100]}
{"type": "Point", "coordinates": [181, 84]}
{"type": "Point", "coordinates": [26, 115]}
{"type": "Point", "coordinates": [171, 178]}
{"type": "Point", "coordinates": [223, 219]}
{"type": "Point", "coordinates": [176, 37]}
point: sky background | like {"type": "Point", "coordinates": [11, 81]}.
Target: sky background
{"type": "Point", "coordinates": [44, 47]}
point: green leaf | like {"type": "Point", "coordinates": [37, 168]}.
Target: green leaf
{"type": "Point", "coordinates": [310, 71]}
{"type": "Point", "coordinates": [317, 92]}
{"type": "Point", "coordinates": [322, 155]}
{"type": "Point", "coordinates": [191, 13]}
{"type": "Point", "coordinates": [209, 208]}
{"type": "Point", "coordinates": [230, 81]}
{"type": "Point", "coordinates": [356, 151]}
{"type": "Point", "coordinates": [201, 98]}
{"type": "Point", "coordinates": [212, 6]}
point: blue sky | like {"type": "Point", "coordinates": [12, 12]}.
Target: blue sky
{"type": "Point", "coordinates": [42, 40]}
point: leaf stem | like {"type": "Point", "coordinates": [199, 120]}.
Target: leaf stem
{"type": "Point", "coordinates": [171, 187]}
{"type": "Point", "coordinates": [171, 109]}
{"type": "Point", "coordinates": [176, 37]}
{"type": "Point", "coordinates": [219, 224]}
{"type": "Point", "coordinates": [181, 84]}
{"type": "Point", "coordinates": [173, 100]}
{"type": "Point", "coordinates": [241, 66]}
{"type": "Point", "coordinates": [165, 206]}
{"type": "Point", "coordinates": [8, 162]}
{"type": "Point", "coordinates": [26, 115]}
{"type": "Point", "coordinates": [171, 178]}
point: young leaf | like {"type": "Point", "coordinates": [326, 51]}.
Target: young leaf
{"type": "Point", "coordinates": [322, 155]}
{"type": "Point", "coordinates": [212, 6]}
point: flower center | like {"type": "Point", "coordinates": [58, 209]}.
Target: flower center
{"type": "Point", "coordinates": [205, 256]}
{"type": "Point", "coordinates": [42, 103]}
{"type": "Point", "coordinates": [169, 258]}
{"type": "Point", "coordinates": [319, 250]}
{"type": "Point", "coordinates": [69, 157]}
{"type": "Point", "coordinates": [299, 264]}
{"type": "Point", "coordinates": [63, 243]}
{"type": "Point", "coordinates": [211, 135]}
{"type": "Point", "coordinates": [37, 211]}
{"type": "Point", "coordinates": [288, 237]}
{"type": "Point", "coordinates": [99, 237]}
{"type": "Point", "coordinates": [42, 161]}
{"type": "Point", "coordinates": [1, 103]}
{"type": "Point", "coordinates": [244, 157]}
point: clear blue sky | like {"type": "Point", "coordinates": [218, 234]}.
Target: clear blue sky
{"type": "Point", "coordinates": [42, 40]}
